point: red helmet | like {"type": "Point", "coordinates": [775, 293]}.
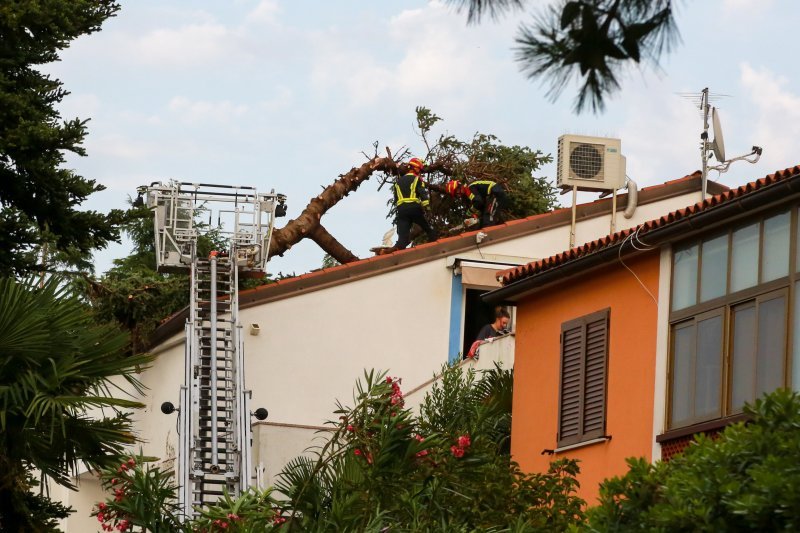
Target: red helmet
{"type": "Point", "coordinates": [452, 187]}
{"type": "Point", "coordinates": [416, 165]}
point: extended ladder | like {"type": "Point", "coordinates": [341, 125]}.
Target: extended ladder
{"type": "Point", "coordinates": [214, 421]}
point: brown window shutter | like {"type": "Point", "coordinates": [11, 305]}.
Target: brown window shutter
{"type": "Point", "coordinates": [571, 377]}
{"type": "Point", "coordinates": [594, 394]}
{"type": "Point", "coordinates": [584, 367]}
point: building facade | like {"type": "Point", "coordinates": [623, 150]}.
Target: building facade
{"type": "Point", "coordinates": [307, 339]}
{"type": "Point", "coordinates": [632, 344]}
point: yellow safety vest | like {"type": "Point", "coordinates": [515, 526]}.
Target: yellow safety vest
{"type": "Point", "coordinates": [412, 198]}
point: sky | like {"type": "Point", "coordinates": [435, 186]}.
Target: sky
{"type": "Point", "coordinates": [286, 95]}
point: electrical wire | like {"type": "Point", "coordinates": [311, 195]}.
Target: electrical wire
{"type": "Point", "coordinates": [645, 247]}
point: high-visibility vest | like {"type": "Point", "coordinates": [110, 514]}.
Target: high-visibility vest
{"type": "Point", "coordinates": [412, 197]}
{"type": "Point", "coordinates": [489, 186]}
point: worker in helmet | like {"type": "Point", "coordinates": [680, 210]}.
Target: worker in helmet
{"type": "Point", "coordinates": [487, 198]}
{"type": "Point", "coordinates": [412, 200]}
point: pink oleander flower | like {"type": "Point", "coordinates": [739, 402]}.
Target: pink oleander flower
{"type": "Point", "coordinates": [464, 441]}
{"type": "Point", "coordinates": [456, 451]}
{"type": "Point", "coordinates": [234, 517]}
{"type": "Point", "coordinates": [357, 451]}
{"type": "Point", "coordinates": [350, 427]}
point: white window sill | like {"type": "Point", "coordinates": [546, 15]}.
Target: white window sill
{"type": "Point", "coordinates": [581, 444]}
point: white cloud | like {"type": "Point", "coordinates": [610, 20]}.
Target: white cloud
{"type": "Point", "coordinates": [266, 12]}
{"type": "Point", "coordinates": [778, 125]}
{"type": "Point", "coordinates": [748, 6]}
{"type": "Point", "coordinates": [660, 135]}
{"type": "Point", "coordinates": [435, 57]}
{"type": "Point", "coordinates": [116, 146]}
{"type": "Point", "coordinates": [186, 46]}
{"type": "Point", "coordinates": [81, 105]}
{"type": "Point", "coordinates": [204, 111]}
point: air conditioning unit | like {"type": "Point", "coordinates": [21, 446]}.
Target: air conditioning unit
{"type": "Point", "coordinates": [590, 163]}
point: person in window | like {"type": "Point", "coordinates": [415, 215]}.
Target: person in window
{"type": "Point", "coordinates": [496, 328]}
{"type": "Point", "coordinates": [489, 331]}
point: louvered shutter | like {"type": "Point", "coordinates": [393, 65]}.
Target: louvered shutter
{"type": "Point", "coordinates": [594, 390]}
{"type": "Point", "coordinates": [571, 373]}
{"type": "Point", "coordinates": [584, 364]}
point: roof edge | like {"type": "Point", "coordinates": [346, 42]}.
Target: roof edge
{"type": "Point", "coordinates": [668, 228]}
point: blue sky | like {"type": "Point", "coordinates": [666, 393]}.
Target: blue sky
{"type": "Point", "coordinates": [286, 95]}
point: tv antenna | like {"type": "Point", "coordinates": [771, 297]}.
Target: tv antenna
{"type": "Point", "coordinates": [716, 147]}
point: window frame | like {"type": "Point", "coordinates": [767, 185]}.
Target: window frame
{"type": "Point", "coordinates": [583, 322]}
{"type": "Point", "coordinates": [724, 305]}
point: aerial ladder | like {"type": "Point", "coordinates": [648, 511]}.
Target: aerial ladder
{"type": "Point", "coordinates": [214, 455]}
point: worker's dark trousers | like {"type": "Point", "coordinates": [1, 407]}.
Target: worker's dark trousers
{"type": "Point", "coordinates": [493, 211]}
{"type": "Point", "coordinates": [408, 214]}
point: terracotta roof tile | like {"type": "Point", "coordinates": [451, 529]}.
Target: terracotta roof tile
{"type": "Point", "coordinates": [466, 235]}
{"type": "Point", "coordinates": [531, 269]}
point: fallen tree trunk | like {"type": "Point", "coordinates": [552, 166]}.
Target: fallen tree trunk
{"type": "Point", "coordinates": [331, 246]}
{"type": "Point", "coordinates": [307, 225]}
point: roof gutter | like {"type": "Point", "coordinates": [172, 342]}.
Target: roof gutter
{"type": "Point", "coordinates": [780, 192]}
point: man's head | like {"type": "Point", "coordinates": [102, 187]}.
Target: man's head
{"type": "Point", "coordinates": [501, 318]}
{"type": "Point", "coordinates": [415, 166]}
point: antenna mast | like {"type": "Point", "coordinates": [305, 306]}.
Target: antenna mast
{"type": "Point", "coordinates": [704, 152]}
{"type": "Point", "coordinates": [716, 147]}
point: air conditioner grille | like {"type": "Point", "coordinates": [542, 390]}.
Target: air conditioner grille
{"type": "Point", "coordinates": [586, 161]}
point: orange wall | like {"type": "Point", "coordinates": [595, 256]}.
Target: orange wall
{"type": "Point", "coordinates": [631, 369]}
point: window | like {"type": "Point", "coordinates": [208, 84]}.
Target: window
{"type": "Point", "coordinates": [730, 320]}
{"type": "Point", "coordinates": [584, 368]}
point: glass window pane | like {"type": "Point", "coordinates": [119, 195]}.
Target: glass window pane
{"type": "Point", "coordinates": [683, 343]}
{"type": "Point", "coordinates": [714, 272]}
{"type": "Point", "coordinates": [796, 339]}
{"type": "Point", "coordinates": [744, 259]}
{"type": "Point", "coordinates": [771, 345]}
{"type": "Point", "coordinates": [744, 356]}
{"type": "Point", "coordinates": [709, 368]}
{"type": "Point", "coordinates": [684, 290]}
{"type": "Point", "coordinates": [775, 261]}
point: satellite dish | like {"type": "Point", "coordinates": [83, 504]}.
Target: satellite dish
{"type": "Point", "coordinates": [718, 145]}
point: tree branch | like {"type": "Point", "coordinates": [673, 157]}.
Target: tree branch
{"type": "Point", "coordinates": [331, 246]}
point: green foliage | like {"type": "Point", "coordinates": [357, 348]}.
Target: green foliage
{"type": "Point", "coordinates": [141, 496]}
{"type": "Point", "coordinates": [748, 479]}
{"type": "Point", "coordinates": [252, 512]}
{"type": "Point", "coordinates": [590, 40]}
{"type": "Point", "coordinates": [39, 199]}
{"type": "Point", "coordinates": [458, 404]}
{"type": "Point", "coordinates": [56, 364]}
{"type": "Point", "coordinates": [447, 470]}
{"type": "Point", "coordinates": [329, 262]}
{"type": "Point", "coordinates": [483, 157]}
